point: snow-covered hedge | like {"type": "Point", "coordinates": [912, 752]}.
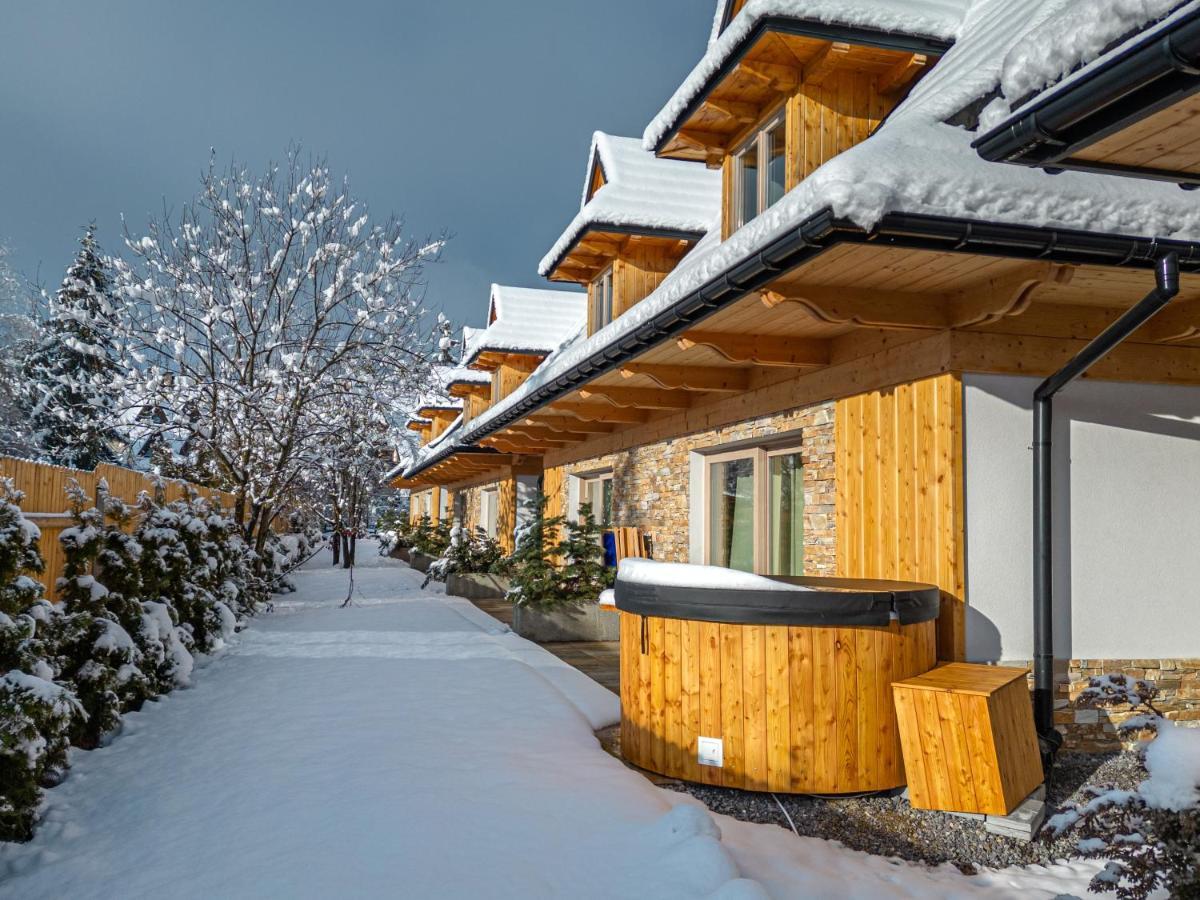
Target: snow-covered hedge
{"type": "Point", "coordinates": [143, 590]}
{"type": "Point", "coordinates": [469, 553]}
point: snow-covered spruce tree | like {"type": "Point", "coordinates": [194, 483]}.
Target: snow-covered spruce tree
{"type": "Point", "coordinates": [165, 569]}
{"type": "Point", "coordinates": [469, 553]}
{"type": "Point", "coordinates": [534, 578]}
{"type": "Point", "coordinates": [583, 574]}
{"type": "Point", "coordinates": [71, 377]}
{"type": "Point", "coordinates": [97, 653]}
{"type": "Point", "coordinates": [270, 298]}
{"type": "Point", "coordinates": [36, 715]}
{"type": "Point", "coordinates": [1149, 836]}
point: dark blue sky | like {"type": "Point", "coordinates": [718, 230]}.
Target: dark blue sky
{"type": "Point", "coordinates": [470, 115]}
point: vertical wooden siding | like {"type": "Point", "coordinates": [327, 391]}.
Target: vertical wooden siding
{"type": "Point", "coordinates": [828, 118]}
{"type": "Point", "coordinates": [506, 512]}
{"type": "Point", "coordinates": [46, 503]}
{"type": "Point", "coordinates": [900, 493]}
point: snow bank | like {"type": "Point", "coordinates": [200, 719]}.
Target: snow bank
{"type": "Point", "coordinates": [1173, 761]}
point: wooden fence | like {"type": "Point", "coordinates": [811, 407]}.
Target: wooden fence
{"type": "Point", "coordinates": [47, 506]}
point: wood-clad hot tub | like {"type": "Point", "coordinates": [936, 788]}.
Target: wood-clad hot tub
{"type": "Point", "coordinates": [795, 685]}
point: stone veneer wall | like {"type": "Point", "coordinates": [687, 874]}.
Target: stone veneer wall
{"type": "Point", "coordinates": [1095, 730]}
{"type": "Point", "coordinates": [651, 483]}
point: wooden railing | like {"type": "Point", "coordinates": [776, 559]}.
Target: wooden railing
{"type": "Point", "coordinates": [47, 506]}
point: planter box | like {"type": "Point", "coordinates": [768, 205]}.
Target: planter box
{"type": "Point", "coordinates": [400, 553]}
{"type": "Point", "coordinates": [569, 623]}
{"type": "Point", "coordinates": [420, 561]}
{"type": "Point", "coordinates": [477, 587]}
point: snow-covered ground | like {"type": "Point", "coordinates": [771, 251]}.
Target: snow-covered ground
{"type": "Point", "coordinates": [411, 746]}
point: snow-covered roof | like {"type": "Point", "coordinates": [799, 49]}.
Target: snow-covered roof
{"type": "Point", "coordinates": [640, 192]}
{"type": "Point", "coordinates": [1072, 36]}
{"type": "Point", "coordinates": [463, 375]}
{"type": "Point", "coordinates": [937, 19]}
{"type": "Point", "coordinates": [914, 164]}
{"type": "Point", "coordinates": [529, 320]}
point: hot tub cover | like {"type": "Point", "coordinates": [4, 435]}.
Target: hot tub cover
{"type": "Point", "coordinates": [775, 600]}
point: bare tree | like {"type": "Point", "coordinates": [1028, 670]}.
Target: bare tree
{"type": "Point", "coordinates": [269, 302]}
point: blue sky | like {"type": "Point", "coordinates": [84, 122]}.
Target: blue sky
{"type": "Point", "coordinates": [473, 116]}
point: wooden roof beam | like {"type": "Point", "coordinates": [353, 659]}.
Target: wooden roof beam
{"type": "Point", "coordinates": [779, 78]}
{"type": "Point", "coordinates": [691, 378]}
{"type": "Point", "coordinates": [569, 424]}
{"type": "Point", "coordinates": [761, 350]}
{"type": "Point", "coordinates": [638, 398]}
{"type": "Point", "coordinates": [899, 77]}
{"type": "Point", "coordinates": [534, 433]}
{"type": "Point", "coordinates": [591, 412]}
{"type": "Point", "coordinates": [701, 140]}
{"type": "Point", "coordinates": [735, 110]}
{"type": "Point", "coordinates": [1177, 323]}
{"type": "Point", "coordinates": [981, 303]}
{"type": "Point", "coordinates": [831, 58]}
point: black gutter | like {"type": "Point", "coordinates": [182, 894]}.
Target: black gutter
{"type": "Point", "coordinates": [863, 37]}
{"type": "Point", "coordinates": [668, 234]}
{"type": "Point", "coordinates": [814, 236]}
{"type": "Point", "coordinates": [1166, 286]}
{"type": "Point", "coordinates": [1141, 80]}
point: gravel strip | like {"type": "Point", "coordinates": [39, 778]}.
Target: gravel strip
{"type": "Point", "coordinates": [888, 826]}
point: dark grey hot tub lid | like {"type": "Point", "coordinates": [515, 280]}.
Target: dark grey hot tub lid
{"type": "Point", "coordinates": [827, 602]}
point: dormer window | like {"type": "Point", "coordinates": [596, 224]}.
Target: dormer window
{"type": "Point", "coordinates": [602, 300]}
{"type": "Point", "coordinates": [760, 171]}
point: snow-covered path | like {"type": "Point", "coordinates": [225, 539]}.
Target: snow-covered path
{"type": "Point", "coordinates": [410, 746]}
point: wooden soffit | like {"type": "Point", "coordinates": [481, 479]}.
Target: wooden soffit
{"type": "Point", "coordinates": [773, 65]}
{"type": "Point", "coordinates": [599, 246]}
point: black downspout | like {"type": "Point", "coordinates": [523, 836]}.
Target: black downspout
{"type": "Point", "coordinates": [1166, 287]}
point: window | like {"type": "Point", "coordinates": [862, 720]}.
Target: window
{"type": "Point", "coordinates": [602, 300]}
{"type": "Point", "coordinates": [760, 172]}
{"type": "Point", "coordinates": [489, 508]}
{"type": "Point", "coordinates": [598, 491]}
{"type": "Point", "coordinates": [754, 511]}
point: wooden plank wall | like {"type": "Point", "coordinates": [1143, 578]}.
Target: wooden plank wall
{"type": "Point", "coordinates": [46, 503]}
{"type": "Point", "coordinates": [506, 512]}
{"type": "Point", "coordinates": [900, 508]}
{"type": "Point", "coordinates": [638, 272]}
{"type": "Point", "coordinates": [830, 117]}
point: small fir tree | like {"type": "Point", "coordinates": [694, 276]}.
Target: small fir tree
{"type": "Point", "coordinates": [36, 715]}
{"type": "Point", "coordinates": [70, 377]}
{"type": "Point", "coordinates": [535, 577]}
{"type": "Point", "coordinates": [98, 654]}
{"type": "Point", "coordinates": [584, 574]}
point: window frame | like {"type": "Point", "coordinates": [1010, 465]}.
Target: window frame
{"type": "Point", "coordinates": [757, 142]}
{"type": "Point", "coordinates": [596, 299]}
{"type": "Point", "coordinates": [761, 455]}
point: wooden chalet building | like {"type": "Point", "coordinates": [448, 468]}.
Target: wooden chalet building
{"type": "Point", "coordinates": [816, 320]}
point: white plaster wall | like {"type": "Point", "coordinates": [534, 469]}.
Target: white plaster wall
{"type": "Point", "coordinates": [1127, 507]}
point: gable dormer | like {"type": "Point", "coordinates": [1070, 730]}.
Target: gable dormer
{"type": "Point", "coordinates": [525, 325]}
{"type": "Point", "coordinates": [776, 96]}
{"type": "Point", "coordinates": [637, 219]}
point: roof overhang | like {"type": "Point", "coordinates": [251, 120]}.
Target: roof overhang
{"type": "Point", "coordinates": [1127, 114]}
{"type": "Point", "coordinates": [460, 465]}
{"type": "Point", "coordinates": [581, 260]}
{"type": "Point", "coordinates": [818, 36]}
{"type": "Point", "coordinates": [804, 243]}
{"type": "Point", "coordinates": [488, 358]}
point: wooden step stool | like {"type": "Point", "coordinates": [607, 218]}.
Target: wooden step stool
{"type": "Point", "coordinates": [968, 740]}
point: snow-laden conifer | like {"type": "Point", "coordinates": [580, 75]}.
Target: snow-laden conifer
{"type": "Point", "coordinates": [71, 377]}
